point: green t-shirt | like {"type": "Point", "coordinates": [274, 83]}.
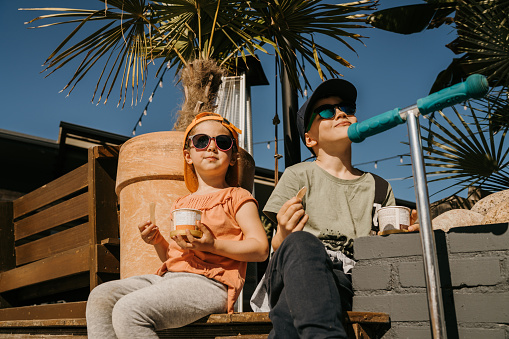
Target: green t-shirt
{"type": "Point", "coordinates": [339, 210]}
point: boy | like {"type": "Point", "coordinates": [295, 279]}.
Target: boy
{"type": "Point", "coordinates": [306, 280]}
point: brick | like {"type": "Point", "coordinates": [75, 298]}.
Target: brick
{"type": "Point", "coordinates": [476, 333]}
{"type": "Point", "coordinates": [400, 307]}
{"type": "Point", "coordinates": [394, 245]}
{"type": "Point", "coordinates": [411, 332]}
{"type": "Point", "coordinates": [373, 277]}
{"type": "Point", "coordinates": [479, 238]}
{"type": "Point", "coordinates": [482, 307]}
{"type": "Point", "coordinates": [411, 274]}
{"type": "Point", "coordinates": [475, 272]}
{"type": "Point", "coordinates": [480, 271]}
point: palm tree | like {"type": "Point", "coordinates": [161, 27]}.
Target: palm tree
{"type": "Point", "coordinates": [201, 40]}
{"type": "Point", "coordinates": [469, 157]}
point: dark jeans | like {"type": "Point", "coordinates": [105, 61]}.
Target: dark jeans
{"type": "Point", "coordinates": [307, 291]}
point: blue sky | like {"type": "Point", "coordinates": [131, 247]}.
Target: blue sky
{"type": "Point", "coordinates": [391, 71]}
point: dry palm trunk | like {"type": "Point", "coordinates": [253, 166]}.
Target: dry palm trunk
{"type": "Point", "coordinates": [201, 80]}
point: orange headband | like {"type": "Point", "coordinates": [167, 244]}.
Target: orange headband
{"type": "Point", "coordinates": [213, 116]}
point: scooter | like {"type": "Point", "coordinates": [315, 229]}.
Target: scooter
{"type": "Point", "coordinates": [474, 87]}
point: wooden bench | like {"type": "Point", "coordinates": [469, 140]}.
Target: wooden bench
{"type": "Point", "coordinates": [61, 240]}
{"type": "Point", "coordinates": [69, 320]}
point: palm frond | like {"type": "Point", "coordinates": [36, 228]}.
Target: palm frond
{"type": "Point", "coordinates": [467, 151]}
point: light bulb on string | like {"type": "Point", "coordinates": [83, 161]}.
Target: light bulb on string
{"type": "Point", "coordinates": [376, 164]}
{"type": "Point", "coordinates": [401, 159]}
{"type": "Point", "coordinates": [160, 84]}
{"type": "Point", "coordinates": [139, 123]}
{"type": "Point", "coordinates": [268, 145]}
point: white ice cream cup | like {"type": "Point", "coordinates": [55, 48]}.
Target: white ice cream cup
{"type": "Point", "coordinates": [185, 219]}
{"type": "Point", "coordinates": [393, 219]}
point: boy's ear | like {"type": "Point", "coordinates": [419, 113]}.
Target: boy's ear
{"type": "Point", "coordinates": [310, 141]}
{"type": "Point", "coordinates": [187, 157]}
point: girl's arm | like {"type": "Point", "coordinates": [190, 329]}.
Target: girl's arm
{"type": "Point", "coordinates": [151, 235]}
{"type": "Point", "coordinates": [254, 246]}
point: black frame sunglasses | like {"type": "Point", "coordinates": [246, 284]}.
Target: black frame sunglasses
{"type": "Point", "coordinates": [201, 141]}
{"type": "Point", "coordinates": [328, 111]}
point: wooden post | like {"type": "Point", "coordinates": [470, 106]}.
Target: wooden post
{"type": "Point", "coordinates": [102, 205]}
{"type": "Point", "coordinates": [7, 255]}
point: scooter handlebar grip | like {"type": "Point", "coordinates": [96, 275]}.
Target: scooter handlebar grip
{"type": "Point", "coordinates": [359, 131]}
{"type": "Point", "coordinates": [476, 86]}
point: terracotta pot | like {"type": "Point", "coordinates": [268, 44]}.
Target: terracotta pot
{"type": "Point", "coordinates": [150, 169]}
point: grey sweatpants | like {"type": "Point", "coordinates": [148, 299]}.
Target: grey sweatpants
{"type": "Point", "coordinates": [138, 306]}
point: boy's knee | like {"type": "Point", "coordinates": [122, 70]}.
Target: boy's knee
{"type": "Point", "coordinates": [302, 242]}
{"type": "Point", "coordinates": [303, 237]}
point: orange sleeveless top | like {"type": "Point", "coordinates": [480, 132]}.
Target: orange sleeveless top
{"type": "Point", "coordinates": [218, 214]}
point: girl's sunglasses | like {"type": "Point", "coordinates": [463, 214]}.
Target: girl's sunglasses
{"type": "Point", "coordinates": [328, 111]}
{"type": "Point", "coordinates": [202, 141]}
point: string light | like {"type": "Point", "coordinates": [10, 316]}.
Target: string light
{"type": "Point", "coordinates": [400, 156]}
{"type": "Point", "coordinates": [268, 145]}
{"type": "Point", "coordinates": [159, 85]}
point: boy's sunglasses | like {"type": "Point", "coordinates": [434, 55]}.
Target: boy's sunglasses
{"type": "Point", "coordinates": [202, 141]}
{"type": "Point", "coordinates": [328, 111]}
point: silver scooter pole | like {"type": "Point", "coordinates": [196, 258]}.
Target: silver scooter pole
{"type": "Point", "coordinates": [476, 86]}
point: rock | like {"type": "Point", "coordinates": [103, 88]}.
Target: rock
{"type": "Point", "coordinates": [492, 200]}
{"type": "Point", "coordinates": [456, 218]}
{"type": "Point", "coordinates": [497, 214]}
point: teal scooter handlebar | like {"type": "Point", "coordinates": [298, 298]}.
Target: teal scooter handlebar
{"type": "Point", "coordinates": [476, 86]}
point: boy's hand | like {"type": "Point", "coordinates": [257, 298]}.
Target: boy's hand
{"type": "Point", "coordinates": [205, 243]}
{"type": "Point", "coordinates": [291, 217]}
{"type": "Point", "coordinates": [150, 233]}
{"type": "Point", "coordinates": [414, 226]}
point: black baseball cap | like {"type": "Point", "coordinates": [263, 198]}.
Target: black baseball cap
{"type": "Point", "coordinates": [332, 87]}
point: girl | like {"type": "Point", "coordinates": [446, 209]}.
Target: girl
{"type": "Point", "coordinates": [199, 276]}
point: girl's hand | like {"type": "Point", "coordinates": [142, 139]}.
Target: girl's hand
{"type": "Point", "coordinates": [205, 243]}
{"type": "Point", "coordinates": [150, 233]}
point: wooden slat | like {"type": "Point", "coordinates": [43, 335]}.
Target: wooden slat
{"type": "Point", "coordinates": [108, 151]}
{"type": "Point", "coordinates": [367, 317]}
{"type": "Point", "coordinates": [63, 264]}
{"type": "Point", "coordinates": [57, 335]}
{"type": "Point", "coordinates": [57, 189]}
{"type": "Point", "coordinates": [263, 317]}
{"type": "Point", "coordinates": [106, 262]}
{"type": "Point", "coordinates": [66, 211]}
{"type": "Point", "coordinates": [53, 244]}
{"type": "Point", "coordinates": [65, 314]}
{"type": "Point", "coordinates": [244, 317]}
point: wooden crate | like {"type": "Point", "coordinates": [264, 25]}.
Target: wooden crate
{"type": "Point", "coordinates": [61, 240]}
